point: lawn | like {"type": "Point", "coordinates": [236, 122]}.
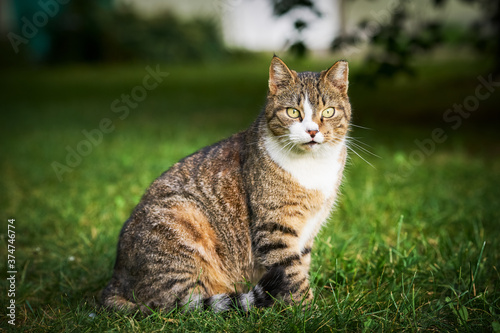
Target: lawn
{"type": "Point", "coordinates": [413, 245]}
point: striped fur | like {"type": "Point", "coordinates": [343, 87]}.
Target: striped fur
{"type": "Point", "coordinates": [243, 211]}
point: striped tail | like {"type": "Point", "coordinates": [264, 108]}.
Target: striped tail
{"type": "Point", "coordinates": [270, 286]}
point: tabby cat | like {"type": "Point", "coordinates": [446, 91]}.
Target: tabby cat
{"type": "Point", "coordinates": [242, 211]}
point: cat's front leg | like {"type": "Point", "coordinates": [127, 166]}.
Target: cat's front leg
{"type": "Point", "coordinates": [287, 266]}
{"type": "Point", "coordinates": [298, 287]}
{"type": "Point", "coordinates": [298, 276]}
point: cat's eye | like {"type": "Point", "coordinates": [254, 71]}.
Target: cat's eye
{"type": "Point", "coordinates": [328, 113]}
{"type": "Point", "coordinates": [293, 113]}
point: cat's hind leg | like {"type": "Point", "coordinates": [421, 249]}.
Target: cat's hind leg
{"type": "Point", "coordinates": [271, 285]}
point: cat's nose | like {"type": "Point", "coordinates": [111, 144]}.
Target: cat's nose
{"type": "Point", "coordinates": [313, 133]}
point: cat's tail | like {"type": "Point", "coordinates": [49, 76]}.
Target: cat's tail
{"type": "Point", "coordinates": [270, 286]}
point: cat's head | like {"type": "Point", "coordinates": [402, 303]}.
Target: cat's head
{"type": "Point", "coordinates": [308, 111]}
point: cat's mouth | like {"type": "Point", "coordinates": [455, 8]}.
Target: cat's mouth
{"type": "Point", "coordinates": [310, 144]}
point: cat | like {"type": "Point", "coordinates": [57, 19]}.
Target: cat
{"type": "Point", "coordinates": [242, 211]}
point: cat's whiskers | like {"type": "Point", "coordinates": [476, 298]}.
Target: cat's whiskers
{"type": "Point", "coordinates": [355, 152]}
{"type": "Point", "coordinates": [358, 144]}
{"type": "Point", "coordinates": [362, 127]}
{"type": "Point", "coordinates": [350, 145]}
{"type": "Point", "coordinates": [357, 140]}
{"type": "Point", "coordinates": [288, 146]}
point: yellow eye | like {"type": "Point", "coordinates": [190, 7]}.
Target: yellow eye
{"type": "Point", "coordinates": [293, 113]}
{"type": "Point", "coordinates": [328, 113]}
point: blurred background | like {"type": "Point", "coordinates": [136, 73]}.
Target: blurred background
{"type": "Point", "coordinates": [53, 31]}
{"type": "Point", "coordinates": [62, 31]}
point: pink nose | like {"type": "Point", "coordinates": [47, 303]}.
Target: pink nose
{"type": "Point", "coordinates": [312, 133]}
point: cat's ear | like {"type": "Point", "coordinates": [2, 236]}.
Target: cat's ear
{"type": "Point", "coordinates": [280, 75]}
{"type": "Point", "coordinates": [337, 76]}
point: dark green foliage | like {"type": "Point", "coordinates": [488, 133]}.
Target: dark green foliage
{"type": "Point", "coordinates": [85, 31]}
{"type": "Point", "coordinates": [395, 42]}
{"type": "Point", "coordinates": [165, 37]}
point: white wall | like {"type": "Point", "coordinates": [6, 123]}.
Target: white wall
{"type": "Point", "coordinates": [250, 24]}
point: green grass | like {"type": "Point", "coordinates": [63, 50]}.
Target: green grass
{"type": "Point", "coordinates": [411, 247]}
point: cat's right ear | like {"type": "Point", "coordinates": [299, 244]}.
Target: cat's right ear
{"type": "Point", "coordinates": [280, 75]}
{"type": "Point", "coordinates": [337, 75]}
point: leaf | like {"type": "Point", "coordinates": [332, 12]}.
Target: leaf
{"type": "Point", "coordinates": [464, 314]}
{"type": "Point", "coordinates": [496, 326]}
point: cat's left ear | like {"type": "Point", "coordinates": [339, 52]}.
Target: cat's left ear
{"type": "Point", "coordinates": [337, 76]}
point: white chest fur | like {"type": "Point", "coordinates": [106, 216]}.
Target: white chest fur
{"type": "Point", "coordinates": [314, 171]}
{"type": "Point", "coordinates": [311, 228]}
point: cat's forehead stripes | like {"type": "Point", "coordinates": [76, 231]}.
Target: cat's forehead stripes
{"type": "Point", "coordinates": [310, 86]}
